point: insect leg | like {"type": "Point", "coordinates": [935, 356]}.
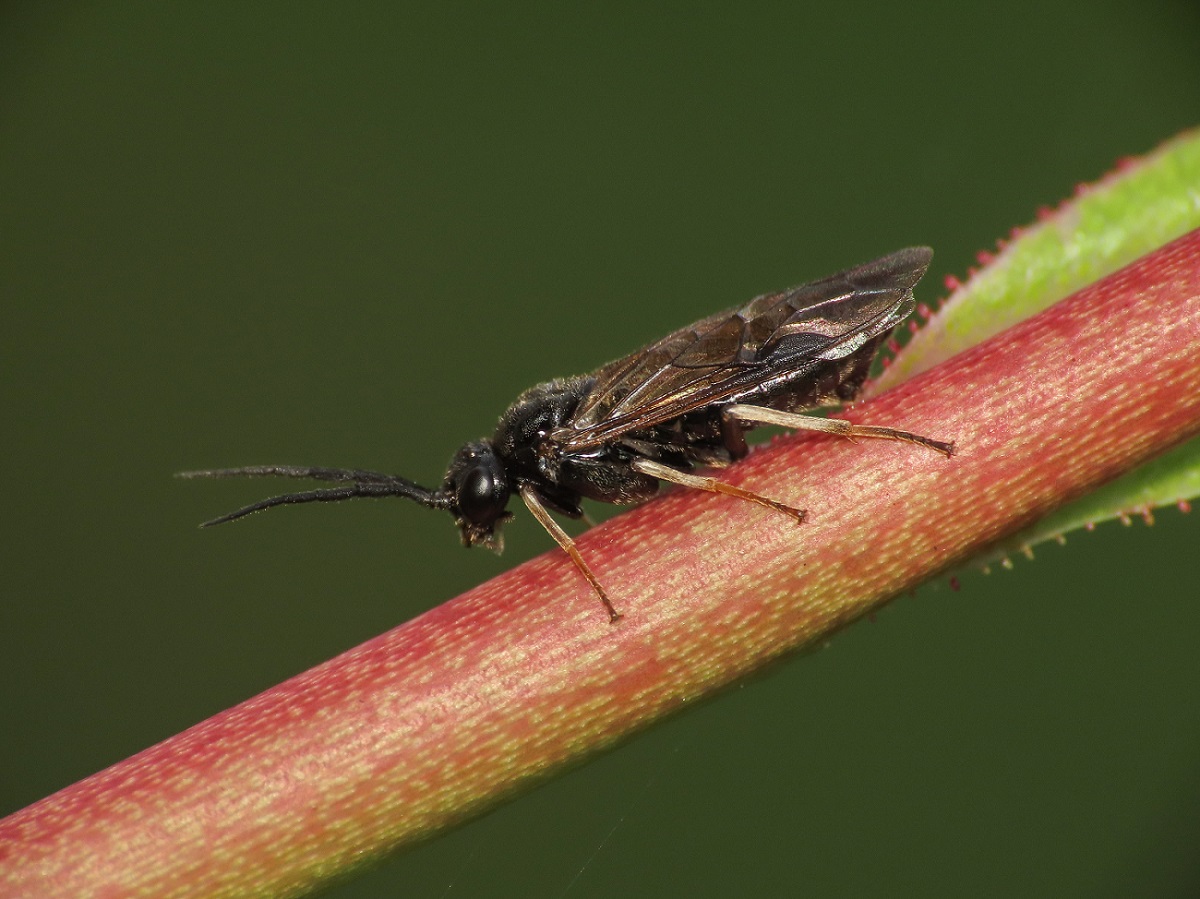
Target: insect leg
{"type": "Point", "coordinates": [563, 539]}
{"type": "Point", "coordinates": [764, 416]}
{"type": "Point", "coordinates": [712, 485]}
{"type": "Point", "coordinates": [734, 437]}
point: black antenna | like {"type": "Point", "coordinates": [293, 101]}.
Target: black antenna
{"type": "Point", "coordinates": [367, 484]}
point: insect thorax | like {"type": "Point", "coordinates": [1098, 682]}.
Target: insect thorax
{"type": "Point", "coordinates": [521, 433]}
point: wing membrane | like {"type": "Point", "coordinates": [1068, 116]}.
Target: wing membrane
{"type": "Point", "coordinates": [761, 346]}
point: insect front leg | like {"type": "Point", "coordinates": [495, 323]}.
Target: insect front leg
{"type": "Point", "coordinates": [764, 416]}
{"type": "Point", "coordinates": [563, 539]}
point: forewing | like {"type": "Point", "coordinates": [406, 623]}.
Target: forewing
{"type": "Point", "coordinates": [726, 357]}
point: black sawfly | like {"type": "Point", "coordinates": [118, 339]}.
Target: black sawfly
{"type": "Point", "coordinates": [682, 403]}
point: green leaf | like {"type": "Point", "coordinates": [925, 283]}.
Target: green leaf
{"type": "Point", "coordinates": [1173, 478]}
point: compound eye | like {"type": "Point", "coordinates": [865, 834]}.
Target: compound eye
{"type": "Point", "coordinates": [480, 498]}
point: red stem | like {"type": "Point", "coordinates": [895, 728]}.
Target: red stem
{"type": "Point", "coordinates": [448, 713]}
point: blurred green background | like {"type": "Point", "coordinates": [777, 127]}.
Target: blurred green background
{"type": "Point", "coordinates": [247, 233]}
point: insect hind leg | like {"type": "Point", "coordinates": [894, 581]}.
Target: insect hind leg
{"type": "Point", "coordinates": [712, 485]}
{"type": "Point", "coordinates": [764, 416]}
